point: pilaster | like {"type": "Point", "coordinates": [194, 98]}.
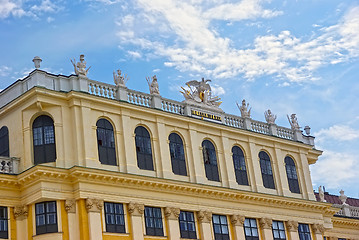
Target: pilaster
{"type": "Point", "coordinates": [237, 223]}
{"type": "Point", "coordinates": [171, 215]}
{"type": "Point", "coordinates": [21, 213]}
{"type": "Point", "coordinates": [136, 211]}
{"type": "Point", "coordinates": [292, 228]}
{"type": "Point", "coordinates": [266, 228]}
{"type": "Point", "coordinates": [70, 207]}
{"type": "Point", "coordinates": [226, 164]}
{"type": "Point", "coordinates": [198, 174]}
{"type": "Point", "coordinates": [204, 219]}
{"type": "Point", "coordinates": [94, 208]}
{"type": "Point", "coordinates": [318, 231]}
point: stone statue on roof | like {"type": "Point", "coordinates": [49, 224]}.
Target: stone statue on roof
{"type": "Point", "coordinates": [119, 78]}
{"type": "Point", "coordinates": [245, 112]}
{"type": "Point", "coordinates": [153, 85]}
{"type": "Point", "coordinates": [80, 67]}
{"type": "Point", "coordinates": [293, 121]}
{"type": "Point", "coordinates": [321, 194]}
{"type": "Point", "coordinates": [270, 117]}
{"type": "Point", "coordinates": [200, 92]}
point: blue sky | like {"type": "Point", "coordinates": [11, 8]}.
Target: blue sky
{"type": "Point", "coordinates": [288, 56]}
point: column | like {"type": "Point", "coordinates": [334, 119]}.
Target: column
{"type": "Point", "coordinates": [266, 228]}
{"type": "Point", "coordinates": [318, 230]}
{"type": "Point", "coordinates": [307, 187]}
{"type": "Point", "coordinates": [163, 162]}
{"type": "Point", "coordinates": [254, 169]}
{"type": "Point", "coordinates": [136, 212]}
{"type": "Point", "coordinates": [94, 208]}
{"type": "Point", "coordinates": [197, 173]}
{"type": "Point", "coordinates": [237, 223]}
{"type": "Point", "coordinates": [128, 147]}
{"type": "Point", "coordinates": [70, 207]}
{"type": "Point", "coordinates": [205, 228]}
{"type": "Point", "coordinates": [21, 213]}
{"type": "Point", "coordinates": [281, 174]}
{"type": "Point", "coordinates": [292, 228]}
{"type": "Point", "coordinates": [171, 215]}
{"type": "Point", "coordinates": [226, 164]}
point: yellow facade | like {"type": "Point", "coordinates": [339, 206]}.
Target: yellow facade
{"type": "Point", "coordinates": [80, 185]}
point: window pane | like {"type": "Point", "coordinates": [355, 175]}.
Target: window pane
{"type": "Point", "coordinates": [51, 218]}
{"type": "Point", "coordinates": [49, 134]}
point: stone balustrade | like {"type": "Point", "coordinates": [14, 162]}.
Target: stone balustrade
{"type": "Point", "coordinates": [347, 210]}
{"type": "Point", "coordinates": [84, 84]}
{"type": "Point", "coordinates": [9, 165]}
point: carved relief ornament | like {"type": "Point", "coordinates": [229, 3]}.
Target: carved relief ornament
{"type": "Point", "coordinates": [136, 209]}
{"type": "Point", "coordinates": [318, 228]}
{"type": "Point", "coordinates": [265, 223]}
{"type": "Point", "coordinates": [237, 220]}
{"type": "Point", "coordinates": [292, 226]}
{"type": "Point", "coordinates": [21, 212]}
{"type": "Point", "coordinates": [172, 213]}
{"type": "Point", "coordinates": [70, 205]}
{"type": "Point", "coordinates": [204, 216]}
{"type": "Point", "coordinates": [94, 205]}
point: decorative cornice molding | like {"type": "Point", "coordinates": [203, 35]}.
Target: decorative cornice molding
{"type": "Point", "coordinates": [318, 228]}
{"type": "Point", "coordinates": [172, 213]}
{"type": "Point", "coordinates": [204, 216]}
{"type": "Point", "coordinates": [21, 212]}
{"type": "Point", "coordinates": [70, 205]}
{"type": "Point", "coordinates": [136, 209]}
{"type": "Point", "coordinates": [292, 226]}
{"type": "Point", "coordinates": [265, 223]}
{"type": "Point", "coordinates": [237, 220]}
{"type": "Point", "coordinates": [347, 222]}
{"type": "Point", "coordinates": [94, 205]}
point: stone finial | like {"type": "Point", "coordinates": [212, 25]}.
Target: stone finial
{"type": "Point", "coordinates": [318, 228]}
{"type": "Point", "coordinates": [265, 223]}
{"type": "Point", "coordinates": [37, 60]}
{"type": "Point", "coordinates": [94, 205]}
{"type": "Point", "coordinates": [245, 112]}
{"type": "Point", "coordinates": [321, 194]}
{"type": "Point", "coordinates": [270, 117]}
{"type": "Point", "coordinates": [342, 197]}
{"type": "Point", "coordinates": [119, 78]}
{"type": "Point", "coordinates": [293, 121]}
{"type": "Point", "coordinates": [80, 67]}
{"type": "Point", "coordinates": [292, 226]}
{"type": "Point", "coordinates": [153, 85]}
{"type": "Point", "coordinates": [21, 212]}
{"type": "Point", "coordinates": [204, 216]}
{"type": "Point", "coordinates": [307, 130]}
{"type": "Point", "coordinates": [70, 205]}
{"type": "Point", "coordinates": [136, 209]}
{"type": "Point", "coordinates": [237, 220]}
{"type": "Point", "coordinates": [172, 213]}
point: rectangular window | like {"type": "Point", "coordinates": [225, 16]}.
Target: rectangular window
{"type": "Point", "coordinates": [187, 225]}
{"type": "Point", "coordinates": [3, 223]}
{"type": "Point", "coordinates": [220, 227]}
{"type": "Point", "coordinates": [115, 217]}
{"type": "Point", "coordinates": [49, 134]}
{"type": "Point", "coordinates": [37, 132]}
{"type": "Point", "coordinates": [304, 232]}
{"type": "Point", "coordinates": [250, 229]}
{"type": "Point", "coordinates": [153, 221]}
{"type": "Point", "coordinates": [46, 217]}
{"type": "Point", "coordinates": [278, 230]}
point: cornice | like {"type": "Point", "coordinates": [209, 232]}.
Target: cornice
{"type": "Point", "coordinates": [346, 222]}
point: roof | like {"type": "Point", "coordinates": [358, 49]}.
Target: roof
{"type": "Point", "coordinates": [335, 199]}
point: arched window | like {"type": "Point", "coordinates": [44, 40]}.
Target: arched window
{"type": "Point", "coordinates": [266, 169]}
{"type": "Point", "coordinates": [44, 140]}
{"type": "Point", "coordinates": [210, 161]}
{"type": "Point", "coordinates": [4, 142]}
{"type": "Point", "coordinates": [143, 148]}
{"type": "Point", "coordinates": [106, 142]}
{"type": "Point", "coordinates": [291, 175]}
{"type": "Point", "coordinates": [239, 165]}
{"type": "Point", "coordinates": [177, 155]}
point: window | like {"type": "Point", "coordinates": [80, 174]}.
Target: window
{"type": "Point", "coordinates": [46, 217]}
{"type": "Point", "coordinates": [153, 220]}
{"type": "Point", "coordinates": [304, 232]}
{"type": "Point", "coordinates": [266, 169]}
{"type": "Point", "coordinates": [143, 148]}
{"type": "Point", "coordinates": [239, 166]}
{"type": "Point", "coordinates": [115, 217]}
{"type": "Point", "coordinates": [278, 230]}
{"type": "Point", "coordinates": [177, 155]}
{"type": "Point", "coordinates": [291, 175]}
{"type": "Point", "coordinates": [4, 142]}
{"type": "Point", "coordinates": [210, 161]}
{"type": "Point", "coordinates": [44, 140]}
{"type": "Point", "coordinates": [220, 227]}
{"type": "Point", "coordinates": [3, 223]}
{"type": "Point", "coordinates": [250, 229]}
{"type": "Point", "coordinates": [106, 142]}
{"type": "Point", "coordinates": [187, 225]}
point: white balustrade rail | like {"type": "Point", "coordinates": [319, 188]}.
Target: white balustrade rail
{"type": "Point", "coordinates": [286, 133]}
{"type": "Point", "coordinates": [172, 106]}
{"type": "Point", "coordinates": [347, 210]}
{"type": "Point", "coordinates": [354, 212]}
{"type": "Point", "coordinates": [233, 121]}
{"type": "Point", "coordinates": [102, 89]}
{"type": "Point", "coordinates": [259, 127]}
{"type": "Point", "coordinates": [139, 98]}
{"type": "Point", "coordinates": [9, 165]}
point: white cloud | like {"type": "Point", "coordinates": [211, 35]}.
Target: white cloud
{"type": "Point", "coordinates": [134, 54]}
{"type": "Point", "coordinates": [335, 170]}
{"type": "Point", "coordinates": [10, 7]}
{"type": "Point", "coordinates": [337, 133]}
{"type": "Point", "coordinates": [5, 71]}
{"type": "Point", "coordinates": [217, 90]}
{"type": "Point", "coordinates": [18, 8]}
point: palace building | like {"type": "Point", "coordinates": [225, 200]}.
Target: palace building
{"type": "Point", "coordinates": [86, 160]}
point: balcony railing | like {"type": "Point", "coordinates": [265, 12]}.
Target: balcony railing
{"type": "Point", "coordinates": [9, 165]}
{"type": "Point", "coordinates": [347, 210]}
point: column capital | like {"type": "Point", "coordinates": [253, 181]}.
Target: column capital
{"type": "Point", "coordinates": [204, 216]}
{"type": "Point", "coordinates": [94, 205]}
{"type": "Point", "coordinates": [237, 220]}
{"type": "Point", "coordinates": [318, 228]}
{"type": "Point", "coordinates": [21, 212]}
{"type": "Point", "coordinates": [70, 205]}
{"type": "Point", "coordinates": [292, 226]}
{"type": "Point", "coordinates": [136, 209]}
{"type": "Point", "coordinates": [172, 213]}
{"type": "Point", "coordinates": [265, 223]}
